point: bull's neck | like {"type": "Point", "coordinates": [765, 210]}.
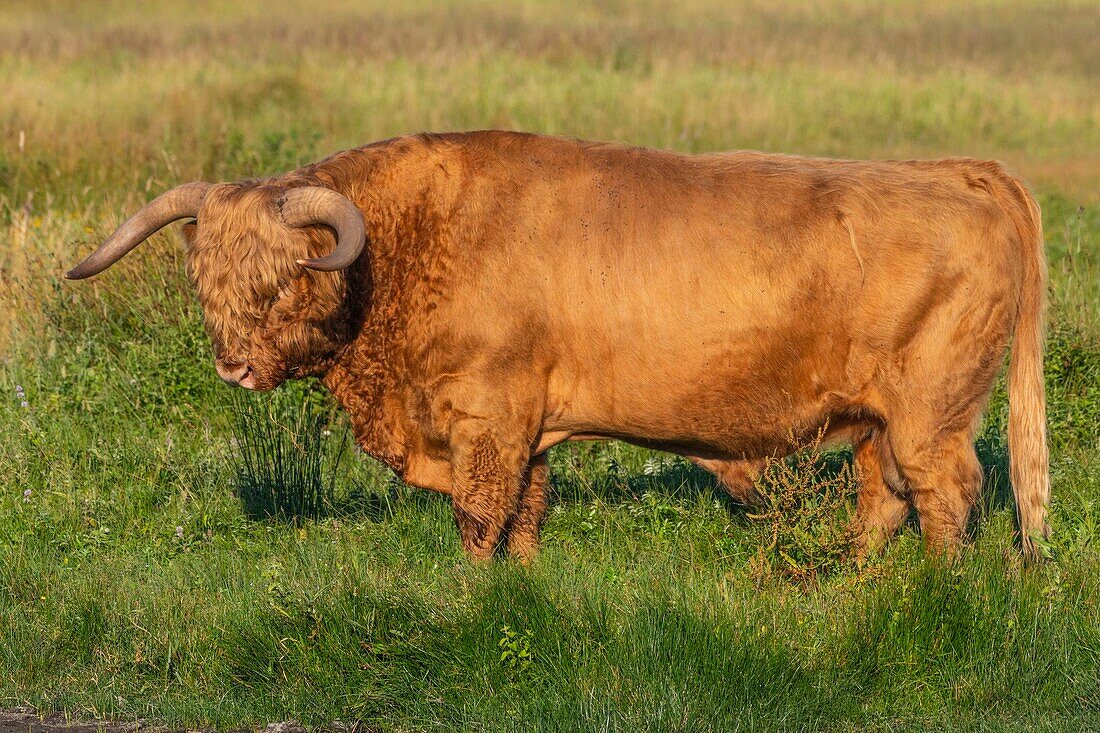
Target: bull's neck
{"type": "Point", "coordinates": [401, 204]}
{"type": "Point", "coordinates": [361, 376]}
{"type": "Point", "coordinates": [361, 383]}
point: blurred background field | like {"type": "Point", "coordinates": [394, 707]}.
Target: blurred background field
{"type": "Point", "coordinates": [135, 582]}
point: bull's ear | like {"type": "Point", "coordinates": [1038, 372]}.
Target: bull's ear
{"type": "Point", "coordinates": [189, 229]}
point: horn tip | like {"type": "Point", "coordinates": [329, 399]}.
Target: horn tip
{"type": "Point", "coordinates": [321, 264]}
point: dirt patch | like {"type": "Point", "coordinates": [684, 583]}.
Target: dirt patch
{"type": "Point", "coordinates": [26, 720]}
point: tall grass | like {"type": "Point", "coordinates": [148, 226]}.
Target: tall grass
{"type": "Point", "coordinates": [286, 463]}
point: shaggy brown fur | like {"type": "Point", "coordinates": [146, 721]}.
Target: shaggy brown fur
{"type": "Point", "coordinates": [518, 291]}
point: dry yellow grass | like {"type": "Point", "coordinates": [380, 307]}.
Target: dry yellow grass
{"type": "Point", "coordinates": [113, 85]}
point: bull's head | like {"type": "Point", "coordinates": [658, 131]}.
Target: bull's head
{"type": "Point", "coordinates": [273, 305]}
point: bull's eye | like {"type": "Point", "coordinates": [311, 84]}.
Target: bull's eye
{"type": "Point", "coordinates": [283, 292]}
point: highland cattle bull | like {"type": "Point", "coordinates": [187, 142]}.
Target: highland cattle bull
{"type": "Point", "coordinates": [474, 299]}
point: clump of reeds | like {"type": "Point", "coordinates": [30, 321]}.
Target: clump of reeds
{"type": "Point", "coordinates": [286, 457]}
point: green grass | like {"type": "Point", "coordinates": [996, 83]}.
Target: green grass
{"type": "Point", "coordinates": [135, 582]}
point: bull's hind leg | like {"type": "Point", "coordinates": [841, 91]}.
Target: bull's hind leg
{"type": "Point", "coordinates": [881, 507]}
{"type": "Point", "coordinates": [523, 531]}
{"type": "Point", "coordinates": [486, 473]}
{"type": "Point", "coordinates": [934, 449]}
{"type": "Point", "coordinates": [937, 342]}
{"type": "Point", "coordinates": [932, 412]}
{"type": "Point", "coordinates": [946, 478]}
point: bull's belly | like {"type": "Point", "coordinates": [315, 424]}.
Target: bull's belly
{"type": "Point", "coordinates": [730, 420]}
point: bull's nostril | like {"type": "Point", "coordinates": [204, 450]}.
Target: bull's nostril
{"type": "Point", "coordinates": [233, 371]}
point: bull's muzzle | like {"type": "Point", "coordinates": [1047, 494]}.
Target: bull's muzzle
{"type": "Point", "coordinates": [236, 373]}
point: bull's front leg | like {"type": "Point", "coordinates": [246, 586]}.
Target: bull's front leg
{"type": "Point", "coordinates": [523, 530]}
{"type": "Point", "coordinates": [487, 474]}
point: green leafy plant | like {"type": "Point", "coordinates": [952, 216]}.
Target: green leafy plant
{"type": "Point", "coordinates": [657, 512]}
{"type": "Point", "coordinates": [515, 649]}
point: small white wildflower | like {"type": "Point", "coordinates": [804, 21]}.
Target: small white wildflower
{"type": "Point", "coordinates": [24, 403]}
{"type": "Point", "coordinates": [326, 433]}
{"type": "Point", "coordinates": [19, 390]}
{"type": "Point", "coordinates": [26, 496]}
{"type": "Point", "coordinates": [179, 531]}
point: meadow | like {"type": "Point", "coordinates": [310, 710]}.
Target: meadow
{"type": "Point", "coordinates": [140, 573]}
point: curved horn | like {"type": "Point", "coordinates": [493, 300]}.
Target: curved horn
{"type": "Point", "coordinates": [317, 205]}
{"type": "Point", "coordinates": [181, 202]}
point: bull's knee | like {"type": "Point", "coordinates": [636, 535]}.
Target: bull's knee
{"type": "Point", "coordinates": [944, 513]}
{"type": "Point", "coordinates": [946, 482]}
{"type": "Point", "coordinates": [486, 473]}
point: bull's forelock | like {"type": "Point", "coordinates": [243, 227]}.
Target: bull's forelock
{"type": "Point", "coordinates": [258, 303]}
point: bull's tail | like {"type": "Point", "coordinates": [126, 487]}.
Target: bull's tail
{"type": "Point", "coordinates": [1027, 426]}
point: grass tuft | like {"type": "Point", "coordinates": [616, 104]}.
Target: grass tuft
{"type": "Point", "coordinates": [287, 458]}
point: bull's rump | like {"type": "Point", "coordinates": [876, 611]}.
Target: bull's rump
{"type": "Point", "coordinates": [720, 301]}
